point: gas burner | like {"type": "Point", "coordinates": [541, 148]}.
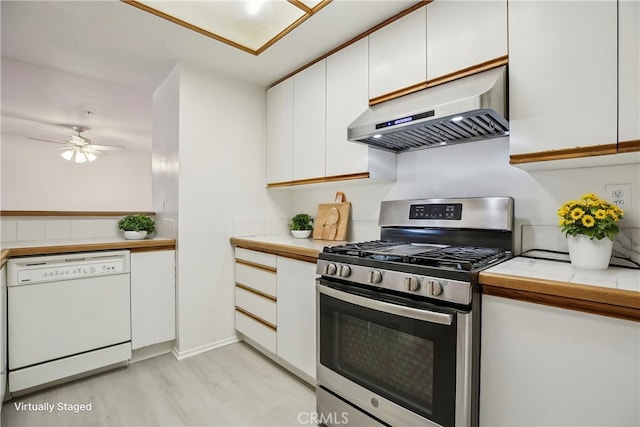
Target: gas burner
{"type": "Point", "coordinates": [464, 258]}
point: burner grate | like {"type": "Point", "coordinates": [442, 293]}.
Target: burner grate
{"type": "Point", "coordinates": [465, 258]}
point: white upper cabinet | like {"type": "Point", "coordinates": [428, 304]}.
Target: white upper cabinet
{"type": "Point", "coordinates": [462, 34]}
{"type": "Point", "coordinates": [309, 123]}
{"type": "Point", "coordinates": [347, 98]}
{"type": "Point", "coordinates": [398, 54]}
{"type": "Point", "coordinates": [307, 119]}
{"type": "Point", "coordinates": [279, 150]}
{"type": "Point", "coordinates": [562, 74]}
{"type": "Point", "coordinates": [629, 70]}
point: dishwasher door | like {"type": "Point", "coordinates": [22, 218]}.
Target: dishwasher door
{"type": "Point", "coordinates": [48, 321]}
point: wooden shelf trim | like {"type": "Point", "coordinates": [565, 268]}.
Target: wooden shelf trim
{"type": "Point", "coordinates": [629, 146]}
{"type": "Point", "coordinates": [257, 319]}
{"type": "Point", "coordinates": [132, 245]}
{"type": "Point", "coordinates": [300, 254]}
{"type": "Point", "coordinates": [319, 180]}
{"type": "Point", "coordinates": [478, 68]}
{"type": "Point", "coordinates": [71, 213]}
{"type": "Point", "coordinates": [257, 292]}
{"type": "Point", "coordinates": [616, 303]}
{"type": "Point", "coordinates": [565, 153]}
{"type": "Point", "coordinates": [256, 265]}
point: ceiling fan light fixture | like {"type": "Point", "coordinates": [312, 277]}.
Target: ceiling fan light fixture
{"type": "Point", "coordinates": [68, 155]}
{"type": "Point", "coordinates": [80, 157]}
{"type": "Point", "coordinates": [90, 156]}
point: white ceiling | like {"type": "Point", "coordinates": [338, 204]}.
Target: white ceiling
{"type": "Point", "coordinates": [63, 58]}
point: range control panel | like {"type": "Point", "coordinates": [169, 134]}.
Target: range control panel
{"type": "Point", "coordinates": [436, 211]}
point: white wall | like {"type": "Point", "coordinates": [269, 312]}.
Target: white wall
{"type": "Point", "coordinates": [165, 153]}
{"type": "Point", "coordinates": [476, 169]}
{"type": "Point", "coordinates": [36, 177]}
{"type": "Point", "coordinates": [221, 179]}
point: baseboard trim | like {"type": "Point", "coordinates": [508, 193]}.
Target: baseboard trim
{"type": "Point", "coordinates": [180, 355]}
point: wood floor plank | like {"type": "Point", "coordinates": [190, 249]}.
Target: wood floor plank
{"type": "Point", "coordinates": [230, 386]}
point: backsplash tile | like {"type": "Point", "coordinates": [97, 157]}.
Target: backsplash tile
{"type": "Point", "coordinates": [8, 230]}
{"type": "Point", "coordinates": [549, 237]}
{"type": "Point", "coordinates": [30, 229]}
{"type": "Point", "coordinates": [57, 229]}
{"type": "Point", "coordinates": [82, 229]}
{"type": "Point", "coordinates": [107, 227]}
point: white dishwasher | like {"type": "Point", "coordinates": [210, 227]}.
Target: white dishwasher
{"type": "Point", "coordinates": [68, 314]}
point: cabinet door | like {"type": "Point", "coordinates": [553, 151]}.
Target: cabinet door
{"type": "Point", "coordinates": [279, 150]}
{"type": "Point", "coordinates": [152, 298]}
{"type": "Point", "coordinates": [461, 34]}
{"type": "Point", "coordinates": [297, 314]}
{"type": "Point", "coordinates": [629, 70]}
{"type": "Point", "coordinates": [347, 98]}
{"type": "Point", "coordinates": [562, 74]}
{"type": "Point", "coordinates": [544, 366]}
{"type": "Point", "coordinates": [309, 122]}
{"type": "Point", "coordinates": [398, 54]}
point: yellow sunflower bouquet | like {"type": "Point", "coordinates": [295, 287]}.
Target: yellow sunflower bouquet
{"type": "Point", "coordinates": [591, 216]}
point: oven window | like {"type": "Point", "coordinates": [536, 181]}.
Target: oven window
{"type": "Point", "coordinates": [410, 362]}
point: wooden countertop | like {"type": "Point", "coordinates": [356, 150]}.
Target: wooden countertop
{"type": "Point", "coordinates": [285, 245]}
{"type": "Point", "coordinates": [14, 249]}
{"type": "Point", "coordinates": [614, 292]}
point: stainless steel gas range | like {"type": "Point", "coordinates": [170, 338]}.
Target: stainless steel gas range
{"type": "Point", "coordinates": [399, 318]}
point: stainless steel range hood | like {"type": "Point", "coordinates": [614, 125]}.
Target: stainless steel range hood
{"type": "Point", "coordinates": [468, 109]}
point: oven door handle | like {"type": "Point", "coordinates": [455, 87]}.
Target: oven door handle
{"type": "Point", "coordinates": [414, 313]}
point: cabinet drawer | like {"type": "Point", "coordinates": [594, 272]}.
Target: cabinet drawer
{"type": "Point", "coordinates": [256, 278]}
{"type": "Point", "coordinates": [259, 305]}
{"type": "Point", "coordinates": [258, 332]}
{"type": "Point", "coordinates": [256, 257]}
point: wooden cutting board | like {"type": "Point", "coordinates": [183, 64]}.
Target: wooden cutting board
{"type": "Point", "coordinates": [332, 219]}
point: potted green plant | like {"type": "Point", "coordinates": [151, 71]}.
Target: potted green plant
{"type": "Point", "coordinates": [301, 225]}
{"type": "Point", "coordinates": [136, 227]}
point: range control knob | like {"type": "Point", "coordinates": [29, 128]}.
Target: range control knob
{"type": "Point", "coordinates": [434, 288]}
{"type": "Point", "coordinates": [375, 276]}
{"type": "Point", "coordinates": [345, 271]}
{"type": "Point", "coordinates": [411, 283]}
{"type": "Point", "coordinates": [330, 269]}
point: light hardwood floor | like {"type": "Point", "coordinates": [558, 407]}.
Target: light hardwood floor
{"type": "Point", "coordinates": [230, 386]}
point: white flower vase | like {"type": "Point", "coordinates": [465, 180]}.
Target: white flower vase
{"type": "Point", "coordinates": [301, 234]}
{"type": "Point", "coordinates": [135, 235]}
{"type": "Point", "coordinates": [589, 253]}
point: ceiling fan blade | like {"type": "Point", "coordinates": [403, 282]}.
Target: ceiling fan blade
{"type": "Point", "coordinates": [106, 147]}
{"type": "Point", "coordinates": [46, 140]}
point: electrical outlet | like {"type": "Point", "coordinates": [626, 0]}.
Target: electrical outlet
{"type": "Point", "coordinates": [619, 195]}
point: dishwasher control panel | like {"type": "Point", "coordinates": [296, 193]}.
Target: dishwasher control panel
{"type": "Point", "coordinates": [29, 270]}
{"type": "Point", "coordinates": [67, 272]}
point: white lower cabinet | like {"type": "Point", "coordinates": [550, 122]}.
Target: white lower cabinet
{"type": "Point", "coordinates": [297, 314]}
{"type": "Point", "coordinates": [275, 308]}
{"type": "Point", "coordinates": [547, 366]}
{"type": "Point", "coordinates": [255, 297]}
{"type": "Point", "coordinates": [153, 300]}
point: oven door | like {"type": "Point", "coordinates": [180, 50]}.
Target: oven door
{"type": "Point", "coordinates": [398, 360]}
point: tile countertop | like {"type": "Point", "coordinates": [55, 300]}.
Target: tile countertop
{"type": "Point", "coordinates": [613, 292]}
{"type": "Point", "coordinates": [44, 247]}
{"type": "Point", "coordinates": [285, 245]}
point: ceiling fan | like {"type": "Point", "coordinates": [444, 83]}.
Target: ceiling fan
{"type": "Point", "coordinates": [80, 148]}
